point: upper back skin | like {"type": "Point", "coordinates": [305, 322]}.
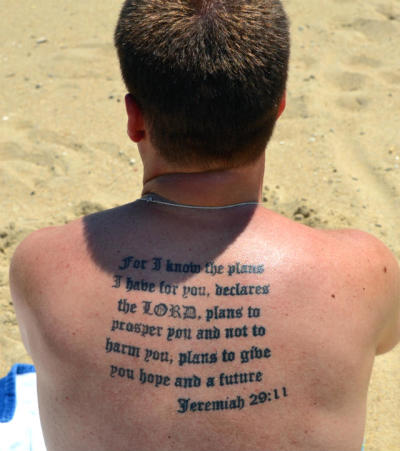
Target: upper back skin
{"type": "Point", "coordinates": [144, 338]}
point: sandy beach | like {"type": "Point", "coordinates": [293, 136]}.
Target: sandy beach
{"type": "Point", "coordinates": [334, 160]}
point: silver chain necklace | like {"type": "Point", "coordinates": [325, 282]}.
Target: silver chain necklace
{"type": "Point", "coordinates": [150, 198]}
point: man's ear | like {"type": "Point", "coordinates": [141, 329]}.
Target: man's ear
{"type": "Point", "coordinates": [282, 106]}
{"type": "Point", "coordinates": [136, 127]}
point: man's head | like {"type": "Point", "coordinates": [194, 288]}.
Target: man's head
{"type": "Point", "coordinates": [208, 75]}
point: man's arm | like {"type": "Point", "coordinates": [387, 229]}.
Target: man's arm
{"type": "Point", "coordinates": [385, 274]}
{"type": "Point", "coordinates": [390, 335]}
{"type": "Point", "coordinates": [26, 274]}
{"type": "Point", "coordinates": [371, 267]}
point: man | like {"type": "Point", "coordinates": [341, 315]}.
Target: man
{"type": "Point", "coordinates": [194, 318]}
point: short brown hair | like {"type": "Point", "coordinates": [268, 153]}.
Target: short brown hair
{"type": "Point", "coordinates": [208, 75]}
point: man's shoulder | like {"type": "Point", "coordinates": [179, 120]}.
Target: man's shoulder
{"type": "Point", "coordinates": [346, 240]}
{"type": "Point", "coordinates": [45, 255]}
{"type": "Point", "coordinates": [46, 243]}
{"type": "Point", "coordinates": [40, 255]}
{"type": "Point", "coordinates": [36, 267]}
{"type": "Point", "coordinates": [363, 250]}
{"type": "Point", "coordinates": [360, 256]}
{"type": "Point", "coordinates": [371, 267]}
{"type": "Point", "coordinates": [369, 272]}
{"type": "Point", "coordinates": [362, 265]}
{"type": "Point", "coordinates": [343, 243]}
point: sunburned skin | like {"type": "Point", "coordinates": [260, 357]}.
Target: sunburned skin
{"type": "Point", "coordinates": [151, 343]}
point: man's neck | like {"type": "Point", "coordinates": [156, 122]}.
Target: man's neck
{"type": "Point", "coordinates": [209, 188]}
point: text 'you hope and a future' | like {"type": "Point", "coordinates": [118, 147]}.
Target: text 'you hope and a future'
{"type": "Point", "coordinates": [201, 324]}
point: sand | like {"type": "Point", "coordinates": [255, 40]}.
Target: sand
{"type": "Point", "coordinates": [334, 160]}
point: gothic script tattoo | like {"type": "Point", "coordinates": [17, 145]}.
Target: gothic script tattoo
{"type": "Point", "coordinates": [189, 321]}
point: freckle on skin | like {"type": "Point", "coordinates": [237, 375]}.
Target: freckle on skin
{"type": "Point", "coordinates": [385, 269]}
{"type": "Point", "coordinates": [333, 296]}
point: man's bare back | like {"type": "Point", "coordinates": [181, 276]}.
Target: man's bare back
{"type": "Point", "coordinates": [156, 326]}
{"type": "Point", "coordinates": [159, 327]}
